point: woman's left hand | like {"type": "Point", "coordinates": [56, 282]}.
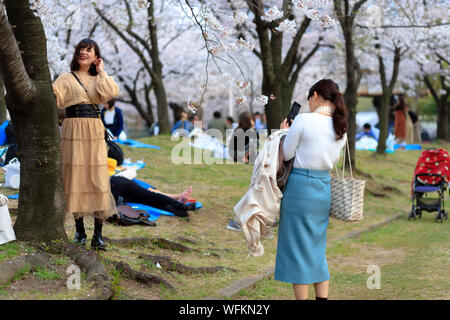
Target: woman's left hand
{"type": "Point", "coordinates": [284, 124]}
{"type": "Point", "coordinates": [99, 65]}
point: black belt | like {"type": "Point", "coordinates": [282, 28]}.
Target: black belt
{"type": "Point", "coordinates": [82, 111]}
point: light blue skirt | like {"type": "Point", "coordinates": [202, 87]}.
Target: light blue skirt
{"type": "Point", "coordinates": [302, 233]}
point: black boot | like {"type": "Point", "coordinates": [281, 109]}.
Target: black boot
{"type": "Point", "coordinates": [321, 299]}
{"type": "Point", "coordinates": [97, 241]}
{"type": "Point", "coordinates": [80, 235]}
{"type": "Point", "coordinates": [178, 209]}
{"type": "Point", "coordinates": [190, 206]}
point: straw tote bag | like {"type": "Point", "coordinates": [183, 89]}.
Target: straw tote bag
{"type": "Point", "coordinates": [347, 195]}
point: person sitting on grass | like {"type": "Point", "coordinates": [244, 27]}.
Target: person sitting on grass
{"type": "Point", "coordinates": [367, 131]}
{"type": "Point", "coordinates": [183, 123]}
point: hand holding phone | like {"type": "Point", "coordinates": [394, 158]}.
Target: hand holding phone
{"type": "Point", "coordinates": [284, 124]}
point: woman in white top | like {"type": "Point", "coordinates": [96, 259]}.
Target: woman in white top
{"type": "Point", "coordinates": [315, 140]}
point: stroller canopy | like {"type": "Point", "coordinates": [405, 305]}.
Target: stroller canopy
{"type": "Point", "coordinates": [434, 161]}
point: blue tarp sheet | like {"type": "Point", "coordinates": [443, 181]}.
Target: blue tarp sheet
{"type": "Point", "coordinates": [136, 144]}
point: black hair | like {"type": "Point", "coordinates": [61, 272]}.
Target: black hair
{"type": "Point", "coordinates": [329, 90]}
{"type": "Point", "coordinates": [111, 102]}
{"type": "Point", "coordinates": [217, 114]}
{"type": "Point", "coordinates": [85, 43]}
{"type": "Point", "coordinates": [245, 121]}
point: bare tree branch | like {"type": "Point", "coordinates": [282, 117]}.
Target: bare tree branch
{"type": "Point", "coordinates": [356, 7]}
{"type": "Point", "coordinates": [338, 8]}
{"type": "Point", "coordinates": [292, 52]}
{"type": "Point", "coordinates": [301, 62]}
{"type": "Point", "coordinates": [396, 62]}
{"type": "Point", "coordinates": [430, 87]}
{"type": "Point", "coordinates": [128, 42]}
{"type": "Point", "coordinates": [442, 58]}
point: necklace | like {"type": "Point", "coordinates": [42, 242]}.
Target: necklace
{"type": "Point", "coordinates": [326, 110]}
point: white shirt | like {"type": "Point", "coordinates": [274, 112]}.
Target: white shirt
{"type": "Point", "coordinates": [109, 116]}
{"type": "Point", "coordinates": [312, 140]}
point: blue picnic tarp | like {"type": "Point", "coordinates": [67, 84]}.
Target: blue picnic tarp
{"type": "Point", "coordinates": [136, 144]}
{"type": "Point", "coordinates": [3, 133]}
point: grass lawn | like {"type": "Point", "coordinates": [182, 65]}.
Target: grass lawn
{"type": "Point", "coordinates": [396, 248]}
{"type": "Point", "coordinates": [413, 257]}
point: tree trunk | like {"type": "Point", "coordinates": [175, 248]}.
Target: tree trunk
{"type": "Point", "coordinates": [443, 106]}
{"type": "Point", "coordinates": [346, 17]}
{"type": "Point", "coordinates": [41, 209]}
{"type": "Point", "coordinates": [151, 119]}
{"type": "Point", "coordinates": [160, 91]}
{"type": "Point", "coordinates": [2, 101]}
{"type": "Point", "coordinates": [442, 117]}
{"type": "Point", "coordinates": [161, 106]}
{"type": "Point", "coordinates": [388, 88]}
{"type": "Point", "coordinates": [279, 76]}
{"type": "Point", "coordinates": [351, 100]}
{"type": "Point", "coordinates": [351, 96]}
{"type": "Point", "coordinates": [274, 106]}
{"type": "Point", "coordinates": [41, 202]}
{"type": "Point", "coordinates": [384, 121]}
{"type": "Point", "coordinates": [287, 90]}
{"type": "Point", "coordinates": [155, 71]}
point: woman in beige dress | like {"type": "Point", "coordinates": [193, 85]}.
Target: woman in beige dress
{"type": "Point", "coordinates": [84, 150]}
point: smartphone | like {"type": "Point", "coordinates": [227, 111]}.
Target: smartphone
{"type": "Point", "coordinates": [293, 112]}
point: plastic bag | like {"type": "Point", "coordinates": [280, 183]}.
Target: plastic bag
{"type": "Point", "coordinates": [6, 230]}
{"type": "Point", "coordinates": [129, 173]}
{"type": "Point", "coordinates": [12, 174]}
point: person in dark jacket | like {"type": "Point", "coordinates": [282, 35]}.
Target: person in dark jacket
{"type": "Point", "coordinates": [243, 145]}
{"type": "Point", "coordinates": [112, 118]}
{"type": "Point", "coordinates": [218, 123]}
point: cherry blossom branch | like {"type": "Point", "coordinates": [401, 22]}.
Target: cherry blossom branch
{"type": "Point", "coordinates": [192, 106]}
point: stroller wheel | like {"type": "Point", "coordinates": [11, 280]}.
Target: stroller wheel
{"type": "Point", "coordinates": [412, 213]}
{"type": "Point", "coordinates": [439, 216]}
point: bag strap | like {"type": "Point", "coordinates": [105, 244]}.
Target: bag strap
{"type": "Point", "coordinates": [110, 137]}
{"type": "Point", "coordinates": [350, 160]}
{"type": "Point", "coordinates": [81, 84]}
{"type": "Point", "coordinates": [347, 148]}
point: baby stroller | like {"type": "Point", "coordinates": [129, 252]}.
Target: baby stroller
{"type": "Point", "coordinates": [431, 175]}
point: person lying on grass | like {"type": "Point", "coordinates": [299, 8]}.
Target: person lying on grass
{"type": "Point", "coordinates": [132, 192]}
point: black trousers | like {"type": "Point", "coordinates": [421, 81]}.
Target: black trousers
{"type": "Point", "coordinates": [130, 191]}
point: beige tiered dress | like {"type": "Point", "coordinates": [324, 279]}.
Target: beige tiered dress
{"type": "Point", "coordinates": [84, 151]}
